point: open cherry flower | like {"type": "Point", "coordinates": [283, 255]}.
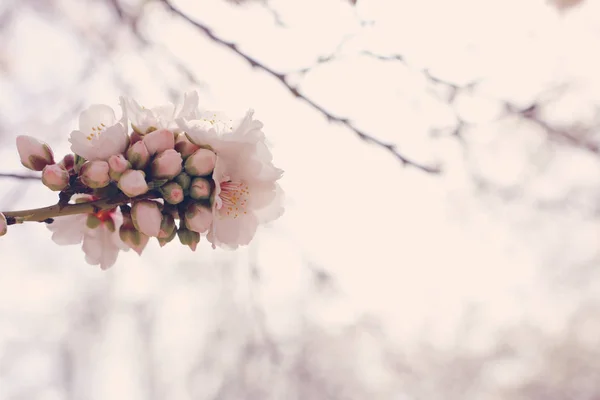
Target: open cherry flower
{"type": "Point", "coordinates": [179, 171]}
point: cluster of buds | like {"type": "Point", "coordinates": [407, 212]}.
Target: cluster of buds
{"type": "Point", "coordinates": [187, 174]}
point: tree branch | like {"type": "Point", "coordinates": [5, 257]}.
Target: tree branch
{"type": "Point", "coordinates": [391, 148]}
{"type": "Point", "coordinates": [19, 176]}
{"type": "Point", "coordinates": [45, 214]}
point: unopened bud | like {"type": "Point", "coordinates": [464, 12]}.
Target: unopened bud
{"type": "Point", "coordinates": [184, 146]}
{"type": "Point", "coordinates": [118, 164]}
{"type": "Point", "coordinates": [34, 154]}
{"type": "Point", "coordinates": [167, 165]}
{"type": "Point", "coordinates": [159, 141]}
{"type": "Point", "coordinates": [146, 217]}
{"type": "Point", "coordinates": [200, 189]}
{"type": "Point", "coordinates": [135, 136]}
{"type": "Point", "coordinates": [138, 155]}
{"type": "Point", "coordinates": [172, 192]}
{"type": "Point", "coordinates": [3, 225]}
{"type": "Point", "coordinates": [55, 177]}
{"type": "Point", "coordinates": [188, 238]}
{"type": "Point", "coordinates": [184, 180]}
{"type": "Point", "coordinates": [94, 174]}
{"type": "Point", "coordinates": [92, 221]}
{"type": "Point", "coordinates": [167, 226]}
{"type": "Point", "coordinates": [198, 218]}
{"type": "Point", "coordinates": [201, 163]}
{"type": "Point", "coordinates": [133, 183]}
{"type": "Point", "coordinates": [163, 241]}
{"type": "Point", "coordinates": [68, 162]}
{"type": "Point", "coordinates": [133, 238]}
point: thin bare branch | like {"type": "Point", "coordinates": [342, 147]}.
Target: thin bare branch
{"type": "Point", "coordinates": [19, 176]}
{"type": "Point", "coordinates": [391, 148]}
{"type": "Point", "coordinates": [563, 135]}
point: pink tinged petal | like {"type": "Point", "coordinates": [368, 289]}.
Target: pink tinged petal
{"type": "Point", "coordinates": [95, 116]}
{"type": "Point", "coordinates": [68, 230]}
{"type": "Point", "coordinates": [133, 183]}
{"type": "Point", "coordinates": [189, 109]}
{"type": "Point", "coordinates": [55, 177]}
{"type": "Point", "coordinates": [201, 162]}
{"type": "Point", "coordinates": [124, 115]}
{"type": "Point", "coordinates": [167, 165]}
{"type": "Point", "coordinates": [249, 129]}
{"type": "Point", "coordinates": [99, 248]}
{"type": "Point", "coordinates": [94, 174]}
{"type": "Point", "coordinates": [142, 119]}
{"type": "Point", "coordinates": [198, 218]}
{"type": "Point", "coordinates": [159, 141]}
{"type": "Point", "coordinates": [234, 232]}
{"type": "Point", "coordinates": [114, 140]}
{"type": "Point", "coordinates": [146, 217]}
{"type": "Point", "coordinates": [3, 225]}
{"type": "Point", "coordinates": [200, 133]}
{"type": "Point", "coordinates": [274, 209]}
{"type": "Point", "coordinates": [164, 114]}
{"type": "Point", "coordinates": [34, 153]}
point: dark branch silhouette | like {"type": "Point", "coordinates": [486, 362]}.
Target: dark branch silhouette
{"type": "Point", "coordinates": [19, 176]}
{"type": "Point", "coordinates": [283, 78]}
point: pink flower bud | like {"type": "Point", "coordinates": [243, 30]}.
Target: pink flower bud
{"type": "Point", "coordinates": [146, 217]}
{"type": "Point", "coordinates": [3, 225]}
{"type": "Point", "coordinates": [167, 165]}
{"type": "Point", "coordinates": [134, 239]}
{"type": "Point", "coordinates": [133, 183]}
{"type": "Point", "coordinates": [172, 193]}
{"type": "Point", "coordinates": [131, 236]}
{"type": "Point", "coordinates": [163, 241]}
{"type": "Point", "coordinates": [167, 226]}
{"type": "Point", "coordinates": [94, 174]}
{"type": "Point", "coordinates": [200, 189]}
{"type": "Point", "coordinates": [138, 155]}
{"type": "Point", "coordinates": [198, 218]}
{"type": "Point", "coordinates": [55, 177]}
{"type": "Point", "coordinates": [201, 163]}
{"type": "Point", "coordinates": [118, 164]}
{"type": "Point", "coordinates": [93, 221]}
{"type": "Point", "coordinates": [184, 180]}
{"type": "Point", "coordinates": [184, 146]}
{"type": "Point", "coordinates": [188, 238]}
{"type": "Point", "coordinates": [68, 162]}
{"type": "Point", "coordinates": [34, 154]}
{"type": "Point", "coordinates": [159, 141]}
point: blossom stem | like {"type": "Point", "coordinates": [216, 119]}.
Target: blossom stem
{"type": "Point", "coordinates": [46, 214]}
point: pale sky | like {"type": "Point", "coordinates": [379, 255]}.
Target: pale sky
{"type": "Point", "coordinates": [419, 253]}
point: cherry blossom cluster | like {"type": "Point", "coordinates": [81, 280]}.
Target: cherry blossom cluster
{"type": "Point", "coordinates": [179, 171]}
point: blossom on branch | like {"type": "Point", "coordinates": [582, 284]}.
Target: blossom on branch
{"type": "Point", "coordinates": [34, 153]}
{"type": "Point", "coordinates": [99, 233]}
{"type": "Point", "coordinates": [181, 172]}
{"type": "Point", "coordinates": [100, 134]}
{"type": "Point", "coordinates": [3, 225]}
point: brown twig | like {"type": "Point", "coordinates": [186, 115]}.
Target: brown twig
{"type": "Point", "coordinates": [46, 214]}
{"type": "Point", "coordinates": [391, 148]}
{"type": "Point", "coordinates": [19, 176]}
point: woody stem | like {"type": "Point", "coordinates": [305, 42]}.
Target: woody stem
{"type": "Point", "coordinates": [60, 210]}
